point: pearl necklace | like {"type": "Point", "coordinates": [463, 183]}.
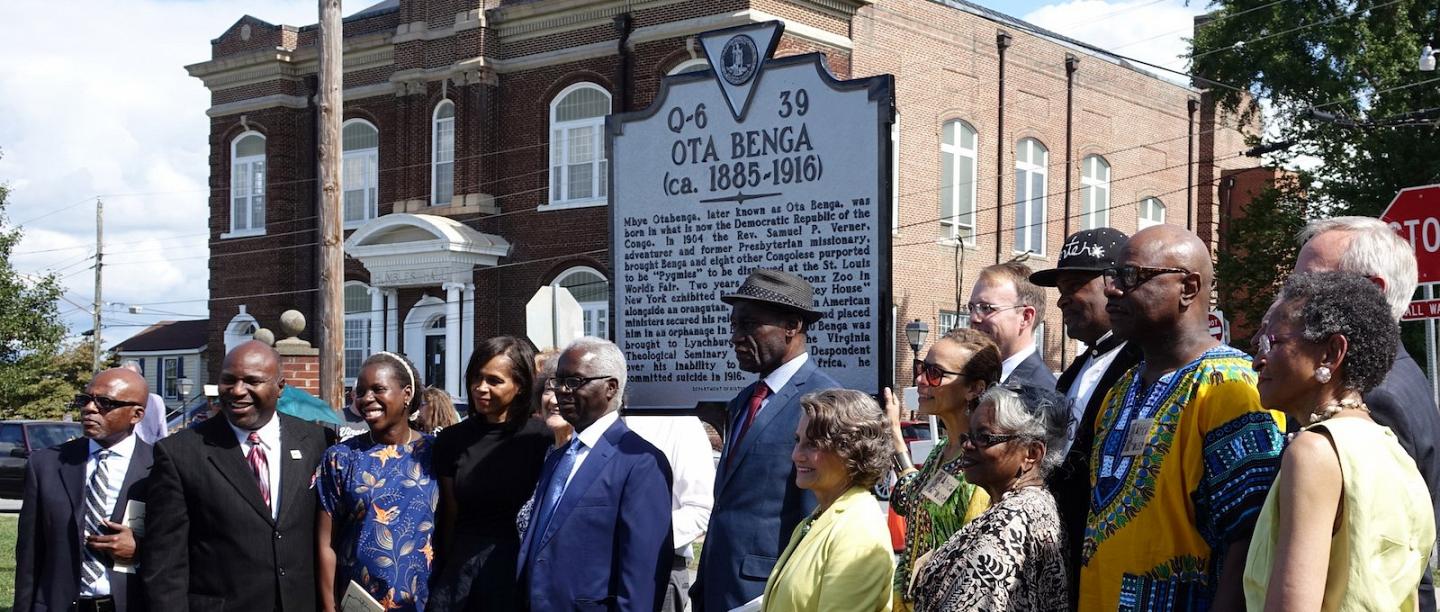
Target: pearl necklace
{"type": "Point", "coordinates": [1332, 408]}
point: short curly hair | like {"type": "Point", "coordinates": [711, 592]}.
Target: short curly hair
{"type": "Point", "coordinates": [1036, 413]}
{"type": "Point", "coordinates": [851, 425]}
{"type": "Point", "coordinates": [1350, 305]}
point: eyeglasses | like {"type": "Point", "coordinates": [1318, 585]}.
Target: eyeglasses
{"type": "Point", "coordinates": [985, 309]}
{"type": "Point", "coordinates": [933, 374]}
{"type": "Point", "coordinates": [1265, 342]}
{"type": "Point", "coordinates": [986, 440]}
{"type": "Point", "coordinates": [571, 384]}
{"type": "Point", "coordinates": [101, 402]}
{"type": "Point", "coordinates": [1127, 278]}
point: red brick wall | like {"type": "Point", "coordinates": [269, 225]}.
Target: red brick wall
{"type": "Point", "coordinates": [301, 371]}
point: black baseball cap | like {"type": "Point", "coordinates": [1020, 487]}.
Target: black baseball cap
{"type": "Point", "coordinates": [1085, 251]}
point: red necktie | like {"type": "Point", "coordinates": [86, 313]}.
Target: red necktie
{"type": "Point", "coordinates": [260, 465]}
{"type": "Point", "coordinates": [761, 392]}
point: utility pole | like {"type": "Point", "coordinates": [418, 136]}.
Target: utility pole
{"type": "Point", "coordinates": [332, 270]}
{"type": "Point", "coordinates": [99, 263]}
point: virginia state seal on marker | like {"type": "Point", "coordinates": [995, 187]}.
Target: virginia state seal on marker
{"type": "Point", "coordinates": [741, 59]}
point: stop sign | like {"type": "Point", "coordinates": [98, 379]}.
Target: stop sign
{"type": "Point", "coordinates": [1218, 328]}
{"type": "Point", "coordinates": [1415, 215]}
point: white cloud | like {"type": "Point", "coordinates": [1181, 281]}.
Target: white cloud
{"type": "Point", "coordinates": [1155, 32]}
{"type": "Point", "coordinates": [95, 100]}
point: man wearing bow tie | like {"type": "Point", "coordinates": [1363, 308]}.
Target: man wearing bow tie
{"type": "Point", "coordinates": [1089, 377]}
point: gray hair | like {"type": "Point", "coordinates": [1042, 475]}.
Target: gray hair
{"type": "Point", "coordinates": [1033, 412]}
{"type": "Point", "coordinates": [609, 361]}
{"type": "Point", "coordinates": [1347, 304]}
{"type": "Point", "coordinates": [1374, 250]}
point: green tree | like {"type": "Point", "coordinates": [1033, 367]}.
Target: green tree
{"type": "Point", "coordinates": [1261, 250]}
{"type": "Point", "coordinates": [30, 331]}
{"type": "Point", "coordinates": [1354, 61]}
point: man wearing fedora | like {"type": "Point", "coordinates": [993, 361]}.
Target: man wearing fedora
{"type": "Point", "coordinates": [1078, 276]}
{"type": "Point", "coordinates": [757, 504]}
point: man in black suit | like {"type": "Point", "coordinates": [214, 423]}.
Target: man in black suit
{"type": "Point", "coordinates": [72, 550]}
{"type": "Point", "coordinates": [1090, 376]}
{"type": "Point", "coordinates": [231, 521]}
{"type": "Point", "coordinates": [1403, 401]}
{"type": "Point", "coordinates": [1007, 306]}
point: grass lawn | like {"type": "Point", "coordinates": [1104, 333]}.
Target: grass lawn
{"type": "Point", "coordinates": [8, 524]}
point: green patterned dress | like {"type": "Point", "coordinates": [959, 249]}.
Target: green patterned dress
{"type": "Point", "coordinates": [928, 525]}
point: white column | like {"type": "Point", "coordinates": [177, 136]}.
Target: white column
{"type": "Point", "coordinates": [467, 333]}
{"type": "Point", "coordinates": [377, 319]}
{"type": "Point", "coordinates": [392, 320]}
{"type": "Point", "coordinates": [452, 337]}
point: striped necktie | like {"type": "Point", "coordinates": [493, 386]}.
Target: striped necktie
{"type": "Point", "coordinates": [97, 491]}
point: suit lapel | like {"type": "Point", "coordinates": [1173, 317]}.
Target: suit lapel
{"type": "Point", "coordinates": [552, 460]}
{"type": "Point", "coordinates": [1072, 371]}
{"type": "Point", "coordinates": [776, 404]}
{"type": "Point", "coordinates": [293, 479]}
{"type": "Point", "coordinates": [73, 456]}
{"type": "Point", "coordinates": [222, 451]}
{"type": "Point", "coordinates": [588, 473]}
{"type": "Point", "coordinates": [140, 460]}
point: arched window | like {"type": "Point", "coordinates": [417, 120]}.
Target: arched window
{"type": "Point", "coordinates": [577, 145]}
{"type": "Point", "coordinates": [442, 154]}
{"type": "Point", "coordinates": [958, 161]}
{"type": "Point", "coordinates": [1152, 212]}
{"type": "Point", "coordinates": [357, 328]}
{"type": "Point", "coordinates": [247, 184]}
{"type": "Point", "coordinates": [1094, 192]}
{"type": "Point", "coordinates": [590, 288]}
{"type": "Point", "coordinates": [1031, 181]}
{"type": "Point", "coordinates": [360, 178]}
{"type": "Point", "coordinates": [690, 65]}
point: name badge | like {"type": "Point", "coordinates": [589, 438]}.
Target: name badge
{"type": "Point", "coordinates": [940, 487]}
{"type": "Point", "coordinates": [1136, 437]}
{"type": "Point", "coordinates": [294, 453]}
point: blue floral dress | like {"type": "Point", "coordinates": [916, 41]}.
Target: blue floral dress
{"type": "Point", "coordinates": [381, 500]}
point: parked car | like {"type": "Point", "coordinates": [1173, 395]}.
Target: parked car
{"type": "Point", "coordinates": [915, 430]}
{"type": "Point", "coordinates": [18, 439]}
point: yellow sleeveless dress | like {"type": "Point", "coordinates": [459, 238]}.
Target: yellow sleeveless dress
{"type": "Point", "coordinates": [1386, 526]}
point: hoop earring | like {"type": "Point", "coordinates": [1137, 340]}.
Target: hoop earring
{"type": "Point", "coordinates": [1322, 374]}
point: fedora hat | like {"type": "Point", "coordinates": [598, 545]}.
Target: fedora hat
{"type": "Point", "coordinates": [778, 289]}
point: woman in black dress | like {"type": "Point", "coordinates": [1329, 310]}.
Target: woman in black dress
{"type": "Point", "coordinates": [487, 466]}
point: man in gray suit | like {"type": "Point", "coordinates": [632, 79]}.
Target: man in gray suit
{"type": "Point", "coordinates": [1007, 307]}
{"type": "Point", "coordinates": [757, 504]}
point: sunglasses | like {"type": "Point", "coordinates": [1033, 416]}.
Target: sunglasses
{"type": "Point", "coordinates": [985, 309]}
{"type": "Point", "coordinates": [571, 384]}
{"type": "Point", "coordinates": [932, 375]}
{"type": "Point", "coordinates": [104, 404]}
{"type": "Point", "coordinates": [986, 440]}
{"type": "Point", "coordinates": [1127, 278]}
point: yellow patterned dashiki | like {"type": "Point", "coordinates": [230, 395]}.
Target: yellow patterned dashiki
{"type": "Point", "coordinates": [1179, 471]}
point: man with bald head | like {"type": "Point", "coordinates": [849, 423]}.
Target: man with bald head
{"type": "Point", "coordinates": [1184, 454]}
{"type": "Point", "coordinates": [71, 537]}
{"type": "Point", "coordinates": [231, 521]}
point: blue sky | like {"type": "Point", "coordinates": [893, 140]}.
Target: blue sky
{"type": "Point", "coordinates": [96, 101]}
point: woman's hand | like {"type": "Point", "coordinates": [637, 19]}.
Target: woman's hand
{"type": "Point", "coordinates": [893, 409]}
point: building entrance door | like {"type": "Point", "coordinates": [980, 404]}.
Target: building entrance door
{"type": "Point", "coordinates": [435, 361]}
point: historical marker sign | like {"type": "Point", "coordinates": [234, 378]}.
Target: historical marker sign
{"type": "Point", "coordinates": [759, 162]}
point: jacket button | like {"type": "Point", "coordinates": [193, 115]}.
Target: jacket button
{"type": "Point", "coordinates": [282, 571]}
{"type": "Point", "coordinates": [279, 535]}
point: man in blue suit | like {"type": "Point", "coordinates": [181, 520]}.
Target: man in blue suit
{"type": "Point", "coordinates": [757, 504]}
{"type": "Point", "coordinates": [599, 538]}
{"type": "Point", "coordinates": [71, 539]}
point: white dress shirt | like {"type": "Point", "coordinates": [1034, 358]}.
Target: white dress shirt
{"type": "Point", "coordinates": [782, 375]}
{"type": "Point", "coordinates": [1008, 366]}
{"type": "Point", "coordinates": [687, 448]}
{"type": "Point", "coordinates": [588, 439]}
{"type": "Point", "coordinates": [115, 465]}
{"type": "Point", "coordinates": [1083, 388]}
{"type": "Point", "coordinates": [270, 442]}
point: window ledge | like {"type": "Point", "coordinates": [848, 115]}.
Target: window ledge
{"type": "Point", "coordinates": [1033, 255]}
{"type": "Point", "coordinates": [593, 203]}
{"type": "Point", "coordinates": [245, 233]}
{"type": "Point", "coordinates": [461, 204]}
{"type": "Point", "coordinates": [951, 243]}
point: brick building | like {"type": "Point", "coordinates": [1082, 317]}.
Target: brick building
{"type": "Point", "coordinates": [474, 169]}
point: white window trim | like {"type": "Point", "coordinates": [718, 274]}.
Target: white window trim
{"type": "Point", "coordinates": [599, 124]}
{"type": "Point", "coordinates": [434, 135]}
{"type": "Point", "coordinates": [895, 178]}
{"type": "Point", "coordinates": [363, 316]}
{"type": "Point", "coordinates": [230, 196]}
{"type": "Point", "coordinates": [1090, 179]}
{"type": "Point", "coordinates": [589, 305]}
{"type": "Point", "coordinates": [1143, 220]}
{"type": "Point", "coordinates": [690, 65]}
{"type": "Point", "coordinates": [1029, 168]}
{"type": "Point", "coordinates": [951, 228]}
{"type": "Point", "coordinates": [163, 375]}
{"type": "Point", "coordinates": [372, 207]}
